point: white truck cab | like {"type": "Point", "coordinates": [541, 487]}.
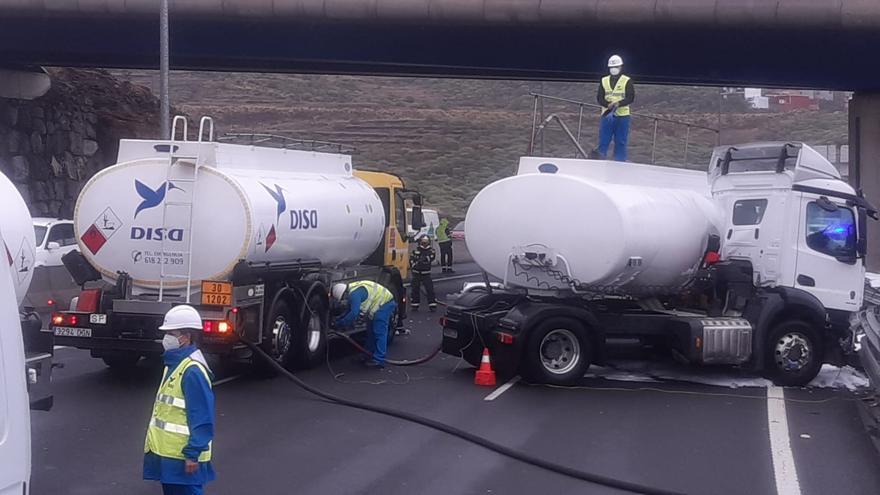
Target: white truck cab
{"type": "Point", "coordinates": [15, 442]}
{"type": "Point", "coordinates": [790, 214]}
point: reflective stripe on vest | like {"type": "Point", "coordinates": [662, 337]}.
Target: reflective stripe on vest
{"type": "Point", "coordinates": [616, 94]}
{"type": "Point", "coordinates": [377, 295]}
{"type": "Point", "coordinates": [168, 430]}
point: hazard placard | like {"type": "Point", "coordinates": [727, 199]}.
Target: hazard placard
{"type": "Point", "coordinates": [93, 239]}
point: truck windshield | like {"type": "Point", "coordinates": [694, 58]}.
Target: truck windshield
{"type": "Point", "coordinates": [831, 232]}
{"type": "Point", "coordinates": [40, 232]}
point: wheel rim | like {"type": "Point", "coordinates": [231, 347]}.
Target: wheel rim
{"type": "Point", "coordinates": [280, 336]}
{"type": "Point", "coordinates": [560, 351]}
{"type": "Point", "coordinates": [314, 330]}
{"type": "Point", "coordinates": [793, 352]}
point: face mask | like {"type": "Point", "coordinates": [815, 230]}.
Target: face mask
{"type": "Point", "coordinates": [170, 342]}
{"type": "Point", "coordinates": [614, 71]}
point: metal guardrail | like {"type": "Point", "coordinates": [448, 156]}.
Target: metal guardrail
{"type": "Point", "coordinates": [538, 116]}
{"type": "Point", "coordinates": [285, 142]}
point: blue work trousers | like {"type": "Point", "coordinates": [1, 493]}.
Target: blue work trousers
{"type": "Point", "coordinates": [612, 126]}
{"type": "Point", "coordinates": [169, 489]}
{"type": "Point", "coordinates": [377, 331]}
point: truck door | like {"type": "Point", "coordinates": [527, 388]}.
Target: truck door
{"type": "Point", "coordinates": [755, 232]}
{"type": "Point", "coordinates": [397, 254]}
{"type": "Point", "coordinates": [827, 263]}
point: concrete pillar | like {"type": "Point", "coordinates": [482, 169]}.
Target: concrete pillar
{"type": "Point", "coordinates": [864, 161]}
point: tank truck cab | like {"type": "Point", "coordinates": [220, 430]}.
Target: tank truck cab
{"type": "Point", "coordinates": [251, 229]}
{"type": "Point", "coordinates": [771, 289]}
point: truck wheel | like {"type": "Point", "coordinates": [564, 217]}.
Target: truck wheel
{"type": "Point", "coordinates": [558, 352]}
{"type": "Point", "coordinates": [794, 354]}
{"type": "Point", "coordinates": [310, 338]}
{"type": "Point", "coordinates": [121, 361]}
{"type": "Point", "coordinates": [277, 340]}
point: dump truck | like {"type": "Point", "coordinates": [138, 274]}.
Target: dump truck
{"type": "Point", "coordinates": [251, 235]}
{"type": "Point", "coordinates": [758, 263]}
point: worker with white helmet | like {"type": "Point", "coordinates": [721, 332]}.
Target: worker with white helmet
{"type": "Point", "coordinates": [177, 450]}
{"type": "Point", "coordinates": [375, 303]}
{"type": "Point", "coordinates": [616, 93]}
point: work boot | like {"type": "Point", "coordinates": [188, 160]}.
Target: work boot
{"type": "Point", "coordinates": [432, 307]}
{"type": "Point", "coordinates": [414, 308]}
{"type": "Point", "coordinates": [373, 364]}
{"type": "Point", "coordinates": [402, 331]}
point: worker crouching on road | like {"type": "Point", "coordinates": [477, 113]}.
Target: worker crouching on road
{"type": "Point", "coordinates": [616, 93]}
{"type": "Point", "coordinates": [421, 260]}
{"type": "Point", "coordinates": [177, 451]}
{"type": "Point", "coordinates": [375, 303]}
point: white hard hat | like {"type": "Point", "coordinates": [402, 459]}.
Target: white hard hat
{"type": "Point", "coordinates": [338, 291]}
{"type": "Point", "coordinates": [182, 317]}
{"type": "Point", "coordinates": [615, 61]}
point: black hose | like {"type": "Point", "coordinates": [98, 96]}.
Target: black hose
{"type": "Point", "coordinates": [464, 435]}
{"type": "Point", "coordinates": [395, 362]}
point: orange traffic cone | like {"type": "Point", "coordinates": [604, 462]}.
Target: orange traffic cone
{"type": "Point", "coordinates": [485, 375]}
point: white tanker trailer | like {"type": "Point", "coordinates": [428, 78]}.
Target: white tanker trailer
{"type": "Point", "coordinates": [19, 250]}
{"type": "Point", "coordinates": [759, 265]}
{"type": "Point", "coordinates": [250, 235]}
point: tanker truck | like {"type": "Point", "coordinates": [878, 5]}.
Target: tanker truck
{"type": "Point", "coordinates": [252, 236]}
{"type": "Point", "coordinates": [757, 264]}
{"type": "Point", "coordinates": [19, 245]}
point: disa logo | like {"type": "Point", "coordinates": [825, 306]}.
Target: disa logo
{"type": "Point", "coordinates": [152, 198]}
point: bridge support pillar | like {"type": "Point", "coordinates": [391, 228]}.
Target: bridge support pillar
{"type": "Point", "coordinates": [864, 161]}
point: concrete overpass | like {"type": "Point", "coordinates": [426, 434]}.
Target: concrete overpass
{"type": "Point", "coordinates": [822, 44]}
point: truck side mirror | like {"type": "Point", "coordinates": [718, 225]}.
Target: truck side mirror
{"type": "Point", "coordinates": [418, 221]}
{"type": "Point", "coordinates": [53, 246]}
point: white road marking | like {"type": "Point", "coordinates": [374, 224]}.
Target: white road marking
{"type": "Point", "coordinates": [500, 390]}
{"type": "Point", "coordinates": [455, 277]}
{"type": "Point", "coordinates": [60, 347]}
{"type": "Point", "coordinates": [784, 468]}
{"type": "Point", "coordinates": [226, 380]}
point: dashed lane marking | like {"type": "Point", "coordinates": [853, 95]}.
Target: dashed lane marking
{"type": "Point", "coordinates": [500, 390]}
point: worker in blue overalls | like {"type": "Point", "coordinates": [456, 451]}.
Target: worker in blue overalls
{"type": "Point", "coordinates": [177, 450]}
{"type": "Point", "coordinates": [616, 93]}
{"type": "Point", "coordinates": [375, 303]}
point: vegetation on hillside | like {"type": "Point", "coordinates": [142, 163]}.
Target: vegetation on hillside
{"type": "Point", "coordinates": [450, 137]}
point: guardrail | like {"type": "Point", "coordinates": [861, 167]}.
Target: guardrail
{"type": "Point", "coordinates": [540, 121]}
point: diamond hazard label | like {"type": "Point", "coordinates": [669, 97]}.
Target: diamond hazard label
{"type": "Point", "coordinates": [108, 223]}
{"type": "Point", "coordinates": [270, 238]}
{"type": "Point", "coordinates": [93, 239]}
{"type": "Point", "coordinates": [24, 260]}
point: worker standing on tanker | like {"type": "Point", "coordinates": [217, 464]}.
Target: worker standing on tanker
{"type": "Point", "coordinates": [616, 93]}
{"type": "Point", "coordinates": [374, 302]}
{"type": "Point", "coordinates": [177, 450]}
{"type": "Point", "coordinates": [420, 260]}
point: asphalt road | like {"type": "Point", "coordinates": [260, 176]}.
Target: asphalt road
{"type": "Point", "coordinates": [273, 438]}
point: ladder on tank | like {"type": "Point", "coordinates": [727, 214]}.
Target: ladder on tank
{"type": "Point", "coordinates": [190, 165]}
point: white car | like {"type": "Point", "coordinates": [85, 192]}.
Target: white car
{"type": "Point", "coordinates": [55, 238]}
{"type": "Point", "coordinates": [431, 219]}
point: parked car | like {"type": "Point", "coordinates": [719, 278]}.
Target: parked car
{"type": "Point", "coordinates": [458, 231]}
{"type": "Point", "coordinates": [55, 238]}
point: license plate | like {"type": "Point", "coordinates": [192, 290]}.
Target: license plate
{"type": "Point", "coordinates": [73, 332]}
{"type": "Point", "coordinates": [98, 319]}
{"type": "Point", "coordinates": [216, 293]}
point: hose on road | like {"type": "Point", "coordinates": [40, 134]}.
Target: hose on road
{"type": "Point", "coordinates": [464, 435]}
{"type": "Point", "coordinates": [395, 362]}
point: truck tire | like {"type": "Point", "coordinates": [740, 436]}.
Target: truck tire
{"type": "Point", "coordinates": [558, 352]}
{"type": "Point", "coordinates": [310, 337]}
{"type": "Point", "coordinates": [121, 361]}
{"type": "Point", "coordinates": [794, 353]}
{"type": "Point", "coordinates": [277, 339]}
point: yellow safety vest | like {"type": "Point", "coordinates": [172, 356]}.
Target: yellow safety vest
{"type": "Point", "coordinates": [377, 295]}
{"type": "Point", "coordinates": [168, 432]}
{"type": "Point", "coordinates": [616, 94]}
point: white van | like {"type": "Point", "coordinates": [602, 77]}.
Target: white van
{"type": "Point", "coordinates": [432, 220]}
{"type": "Point", "coordinates": [15, 427]}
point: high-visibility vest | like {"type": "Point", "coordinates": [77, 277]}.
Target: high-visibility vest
{"type": "Point", "coordinates": [617, 93]}
{"type": "Point", "coordinates": [377, 295]}
{"type": "Point", "coordinates": [168, 432]}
